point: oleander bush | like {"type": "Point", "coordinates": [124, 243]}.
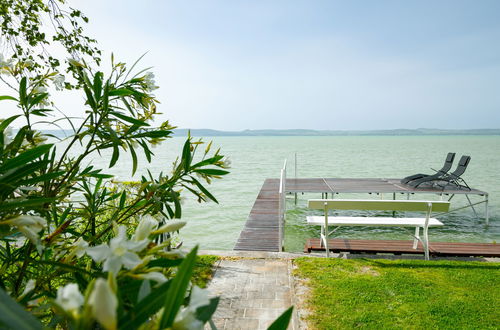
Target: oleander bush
{"type": "Point", "coordinates": [77, 249]}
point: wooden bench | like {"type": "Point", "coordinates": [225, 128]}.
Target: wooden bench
{"type": "Point", "coordinates": [425, 222]}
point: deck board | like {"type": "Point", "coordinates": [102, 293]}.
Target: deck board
{"type": "Point", "coordinates": [439, 249]}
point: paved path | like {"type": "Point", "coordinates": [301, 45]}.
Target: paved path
{"type": "Point", "coordinates": [254, 292]}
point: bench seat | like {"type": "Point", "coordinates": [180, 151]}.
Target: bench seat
{"type": "Point", "coordinates": [372, 221]}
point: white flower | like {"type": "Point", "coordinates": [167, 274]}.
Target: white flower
{"type": "Point", "coordinates": [29, 225]}
{"type": "Point", "coordinates": [145, 227]}
{"type": "Point", "coordinates": [59, 82]}
{"type": "Point", "coordinates": [120, 252]}
{"type": "Point", "coordinates": [5, 64]}
{"type": "Point", "coordinates": [170, 226]}
{"type": "Point", "coordinates": [69, 297]}
{"type": "Point", "coordinates": [79, 247]}
{"type": "Point", "coordinates": [7, 136]}
{"type": "Point", "coordinates": [153, 276]}
{"type": "Point", "coordinates": [39, 89]}
{"type": "Point", "coordinates": [103, 304]}
{"type": "Point", "coordinates": [149, 81]}
{"type": "Point", "coordinates": [186, 318]}
{"type": "Point", "coordinates": [28, 288]}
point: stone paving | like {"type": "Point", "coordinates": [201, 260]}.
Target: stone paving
{"type": "Point", "coordinates": [253, 292]}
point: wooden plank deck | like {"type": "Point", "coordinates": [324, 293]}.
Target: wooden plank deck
{"type": "Point", "coordinates": [261, 231]}
{"type": "Point", "coordinates": [438, 249]}
{"type": "Point", "coordinates": [367, 185]}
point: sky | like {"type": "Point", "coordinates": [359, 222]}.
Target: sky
{"type": "Point", "coordinates": [326, 65]}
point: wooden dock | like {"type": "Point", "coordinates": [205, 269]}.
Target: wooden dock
{"type": "Point", "coordinates": [261, 230]}
{"type": "Point", "coordinates": [437, 249]}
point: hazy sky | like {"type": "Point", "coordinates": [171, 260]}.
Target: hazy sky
{"type": "Point", "coordinates": [236, 65]}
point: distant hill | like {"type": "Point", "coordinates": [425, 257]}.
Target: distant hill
{"type": "Point", "coordinates": [307, 132]}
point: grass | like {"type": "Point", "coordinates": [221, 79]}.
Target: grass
{"type": "Point", "coordinates": [203, 270]}
{"type": "Point", "coordinates": [410, 294]}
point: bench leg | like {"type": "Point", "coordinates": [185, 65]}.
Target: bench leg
{"type": "Point", "coordinates": [324, 240]}
{"type": "Point", "coordinates": [426, 243]}
{"type": "Point", "coordinates": [417, 238]}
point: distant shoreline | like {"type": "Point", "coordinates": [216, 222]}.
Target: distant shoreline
{"type": "Point", "coordinates": [304, 132]}
{"type": "Point", "coordinates": [307, 132]}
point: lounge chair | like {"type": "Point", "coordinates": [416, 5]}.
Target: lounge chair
{"type": "Point", "coordinates": [446, 167]}
{"type": "Point", "coordinates": [444, 180]}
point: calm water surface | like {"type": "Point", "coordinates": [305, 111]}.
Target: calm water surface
{"type": "Point", "coordinates": [217, 226]}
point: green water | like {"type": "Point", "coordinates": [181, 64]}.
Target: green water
{"type": "Point", "coordinates": [217, 226]}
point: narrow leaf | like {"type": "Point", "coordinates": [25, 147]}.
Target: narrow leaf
{"type": "Point", "coordinates": [177, 290]}
{"type": "Point", "coordinates": [22, 90]}
{"type": "Point", "coordinates": [6, 122]}
{"type": "Point", "coordinates": [211, 171]}
{"type": "Point", "coordinates": [204, 313]}
{"type": "Point", "coordinates": [204, 190]}
{"type": "Point", "coordinates": [145, 308]}
{"type": "Point", "coordinates": [13, 315]}
{"type": "Point", "coordinates": [114, 157]}
{"type": "Point", "coordinates": [282, 322]}
{"type": "Point", "coordinates": [121, 92]}
{"type": "Point", "coordinates": [129, 119]}
{"type": "Point", "coordinates": [25, 157]}
{"type": "Point", "coordinates": [7, 97]}
{"type": "Point", "coordinates": [186, 155]}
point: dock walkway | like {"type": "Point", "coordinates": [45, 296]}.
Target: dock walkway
{"type": "Point", "coordinates": [261, 231]}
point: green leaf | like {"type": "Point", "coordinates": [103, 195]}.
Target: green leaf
{"type": "Point", "coordinates": [129, 119]}
{"type": "Point", "coordinates": [114, 157]}
{"type": "Point", "coordinates": [204, 190]}
{"type": "Point", "coordinates": [153, 134]}
{"type": "Point", "coordinates": [121, 92]}
{"type": "Point", "coordinates": [208, 161]}
{"type": "Point", "coordinates": [34, 101]}
{"type": "Point", "coordinates": [204, 313]}
{"type": "Point", "coordinates": [7, 97]}
{"type": "Point", "coordinates": [134, 158]}
{"type": "Point", "coordinates": [186, 155]}
{"type": "Point", "coordinates": [123, 198]}
{"type": "Point", "coordinates": [42, 178]}
{"type": "Point", "coordinates": [177, 290]}
{"type": "Point", "coordinates": [13, 316]}
{"type": "Point", "coordinates": [13, 204]}
{"type": "Point", "coordinates": [211, 171]}
{"type": "Point", "coordinates": [6, 122]}
{"type": "Point", "coordinates": [282, 322]}
{"type": "Point", "coordinates": [98, 85]}
{"type": "Point", "coordinates": [165, 262]}
{"type": "Point", "coordinates": [178, 207]}
{"type": "Point", "coordinates": [62, 265]}
{"type": "Point", "coordinates": [25, 157]}
{"type": "Point", "coordinates": [22, 90]}
{"type": "Point", "coordinates": [145, 308]}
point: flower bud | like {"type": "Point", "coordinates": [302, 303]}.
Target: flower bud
{"type": "Point", "coordinates": [103, 304]}
{"type": "Point", "coordinates": [170, 226]}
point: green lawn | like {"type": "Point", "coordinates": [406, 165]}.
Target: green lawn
{"type": "Point", "coordinates": [203, 270]}
{"type": "Point", "coordinates": [409, 294]}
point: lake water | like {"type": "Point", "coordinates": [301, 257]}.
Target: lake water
{"type": "Point", "coordinates": [217, 226]}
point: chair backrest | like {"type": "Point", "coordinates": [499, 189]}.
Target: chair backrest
{"type": "Point", "coordinates": [462, 166]}
{"type": "Point", "coordinates": [380, 205]}
{"type": "Point", "coordinates": [448, 162]}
